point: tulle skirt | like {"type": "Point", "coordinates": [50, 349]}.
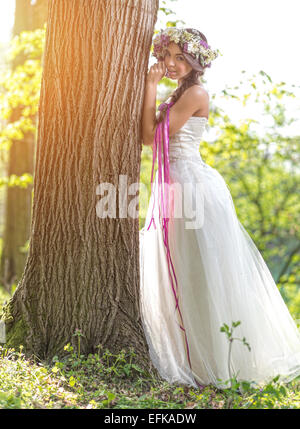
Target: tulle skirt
{"type": "Point", "coordinates": [221, 278]}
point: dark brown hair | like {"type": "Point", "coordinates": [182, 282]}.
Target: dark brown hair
{"type": "Point", "coordinates": [192, 78]}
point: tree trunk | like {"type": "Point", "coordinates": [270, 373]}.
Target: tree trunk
{"type": "Point", "coordinates": [82, 271]}
{"type": "Point", "coordinates": [20, 160]}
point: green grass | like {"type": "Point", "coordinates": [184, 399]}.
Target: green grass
{"type": "Point", "coordinates": [104, 380]}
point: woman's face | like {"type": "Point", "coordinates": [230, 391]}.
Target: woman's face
{"type": "Point", "coordinates": [175, 62]}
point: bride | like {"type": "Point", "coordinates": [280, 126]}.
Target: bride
{"type": "Point", "coordinates": [197, 275]}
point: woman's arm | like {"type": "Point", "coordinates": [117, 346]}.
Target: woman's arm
{"type": "Point", "coordinates": [155, 74]}
{"type": "Point", "coordinates": [149, 113]}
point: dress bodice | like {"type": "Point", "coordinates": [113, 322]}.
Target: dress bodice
{"type": "Point", "coordinates": [185, 143]}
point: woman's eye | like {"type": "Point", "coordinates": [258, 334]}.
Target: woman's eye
{"type": "Point", "coordinates": [178, 58]}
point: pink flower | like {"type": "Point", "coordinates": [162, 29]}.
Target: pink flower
{"type": "Point", "coordinates": [203, 43]}
{"type": "Point", "coordinates": [165, 40]}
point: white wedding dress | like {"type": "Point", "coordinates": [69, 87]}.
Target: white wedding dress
{"type": "Point", "coordinates": [221, 277]}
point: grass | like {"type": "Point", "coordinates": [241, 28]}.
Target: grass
{"type": "Point", "coordinates": [104, 380]}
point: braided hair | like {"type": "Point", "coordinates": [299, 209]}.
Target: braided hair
{"type": "Point", "coordinates": [192, 77]}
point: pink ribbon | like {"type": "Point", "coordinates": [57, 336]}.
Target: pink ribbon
{"type": "Point", "coordinates": [161, 148]}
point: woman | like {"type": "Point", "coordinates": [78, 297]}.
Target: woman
{"type": "Point", "coordinates": [199, 267]}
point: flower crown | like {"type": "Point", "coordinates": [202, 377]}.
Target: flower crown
{"type": "Point", "coordinates": [190, 43]}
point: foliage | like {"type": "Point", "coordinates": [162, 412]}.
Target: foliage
{"type": "Point", "coordinates": [258, 396]}
{"type": "Point", "coordinates": [19, 94]}
{"type": "Point", "coordinates": [229, 332]}
{"type": "Point", "coordinates": [107, 380]}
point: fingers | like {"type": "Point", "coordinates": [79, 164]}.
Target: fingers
{"type": "Point", "coordinates": [157, 71]}
{"type": "Point", "coordinates": [159, 67]}
{"type": "Point", "coordinates": [161, 63]}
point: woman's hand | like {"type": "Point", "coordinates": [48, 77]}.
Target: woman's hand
{"type": "Point", "coordinates": [156, 72]}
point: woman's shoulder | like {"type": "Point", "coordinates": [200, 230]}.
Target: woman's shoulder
{"type": "Point", "coordinates": [196, 91]}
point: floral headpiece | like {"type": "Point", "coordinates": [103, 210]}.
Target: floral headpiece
{"type": "Point", "coordinates": [190, 43]}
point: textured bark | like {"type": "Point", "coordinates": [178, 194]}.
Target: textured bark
{"type": "Point", "coordinates": [20, 160]}
{"type": "Point", "coordinates": [82, 271]}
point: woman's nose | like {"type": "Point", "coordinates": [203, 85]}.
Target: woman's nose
{"type": "Point", "coordinates": [169, 62]}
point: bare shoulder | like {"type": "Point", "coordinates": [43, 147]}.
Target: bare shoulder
{"type": "Point", "coordinates": [196, 93]}
{"type": "Point", "coordinates": [197, 98]}
{"type": "Point", "coordinates": [192, 99]}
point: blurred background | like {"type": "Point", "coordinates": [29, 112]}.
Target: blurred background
{"type": "Point", "coordinates": [253, 137]}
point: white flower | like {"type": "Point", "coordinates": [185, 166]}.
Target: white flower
{"type": "Point", "coordinates": [192, 41]}
{"type": "Point", "coordinates": [175, 38]}
{"type": "Point", "coordinates": [194, 47]}
{"type": "Point", "coordinates": [187, 36]}
{"type": "Point", "coordinates": [171, 31]}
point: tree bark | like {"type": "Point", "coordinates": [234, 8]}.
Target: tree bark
{"type": "Point", "coordinates": [82, 271]}
{"type": "Point", "coordinates": [18, 201]}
